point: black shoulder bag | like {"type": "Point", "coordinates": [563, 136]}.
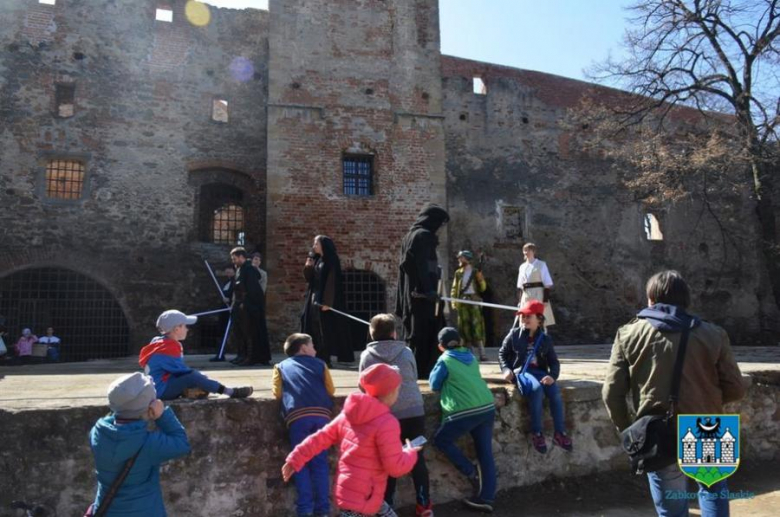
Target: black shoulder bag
{"type": "Point", "coordinates": [108, 499]}
{"type": "Point", "coordinates": [651, 441]}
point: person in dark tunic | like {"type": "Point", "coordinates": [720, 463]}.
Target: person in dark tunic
{"type": "Point", "coordinates": [418, 279]}
{"type": "Point", "coordinates": [249, 313]}
{"type": "Point", "coordinates": [329, 330]}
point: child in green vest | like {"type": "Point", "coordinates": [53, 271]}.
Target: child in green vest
{"type": "Point", "coordinates": [467, 407]}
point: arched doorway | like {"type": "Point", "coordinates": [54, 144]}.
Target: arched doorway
{"type": "Point", "coordinates": [84, 314]}
{"type": "Point", "coordinates": [364, 297]}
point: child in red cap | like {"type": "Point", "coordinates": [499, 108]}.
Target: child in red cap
{"type": "Point", "coordinates": [528, 358]}
{"type": "Point", "coordinates": [369, 442]}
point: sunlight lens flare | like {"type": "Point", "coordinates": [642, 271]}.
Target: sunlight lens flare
{"type": "Point", "coordinates": [197, 13]}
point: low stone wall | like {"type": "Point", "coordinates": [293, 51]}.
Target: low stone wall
{"type": "Point", "coordinates": [238, 447]}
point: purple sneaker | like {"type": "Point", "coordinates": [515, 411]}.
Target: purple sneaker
{"type": "Point", "coordinates": [563, 441]}
{"type": "Point", "coordinates": [539, 443]}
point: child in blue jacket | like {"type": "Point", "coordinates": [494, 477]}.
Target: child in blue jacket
{"type": "Point", "coordinates": [163, 359]}
{"type": "Point", "coordinates": [119, 436]}
{"type": "Point", "coordinates": [540, 379]}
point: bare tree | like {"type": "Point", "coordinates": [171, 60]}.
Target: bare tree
{"type": "Point", "coordinates": [722, 58]}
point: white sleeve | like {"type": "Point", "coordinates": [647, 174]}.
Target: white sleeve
{"type": "Point", "coordinates": [546, 278]}
{"type": "Point", "coordinates": [520, 281]}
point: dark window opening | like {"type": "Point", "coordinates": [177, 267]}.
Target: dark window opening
{"type": "Point", "coordinates": [358, 174]}
{"type": "Point", "coordinates": [364, 296]}
{"type": "Point", "coordinates": [512, 219]}
{"type": "Point", "coordinates": [65, 99]}
{"type": "Point", "coordinates": [84, 314]}
{"type": "Point", "coordinates": [64, 179]}
{"type": "Point", "coordinates": [222, 215]}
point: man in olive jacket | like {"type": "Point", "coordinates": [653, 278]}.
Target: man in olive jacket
{"type": "Point", "coordinates": [642, 363]}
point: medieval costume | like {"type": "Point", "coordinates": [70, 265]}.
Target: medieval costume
{"type": "Point", "coordinates": [534, 279]}
{"type": "Point", "coordinates": [328, 330]}
{"type": "Point", "coordinates": [469, 284]}
{"type": "Point", "coordinates": [418, 278]}
{"type": "Point", "coordinates": [249, 317]}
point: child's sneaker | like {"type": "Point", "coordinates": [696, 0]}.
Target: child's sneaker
{"type": "Point", "coordinates": [424, 511]}
{"type": "Point", "coordinates": [478, 504]}
{"type": "Point", "coordinates": [563, 441]}
{"type": "Point", "coordinates": [242, 393]}
{"type": "Point", "coordinates": [476, 480]}
{"type": "Point", "coordinates": [539, 443]}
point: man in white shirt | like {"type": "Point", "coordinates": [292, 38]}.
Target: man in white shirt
{"type": "Point", "coordinates": [534, 282]}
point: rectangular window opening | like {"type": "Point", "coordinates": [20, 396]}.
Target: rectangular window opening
{"type": "Point", "coordinates": [47, 2]}
{"type": "Point", "coordinates": [219, 110]}
{"type": "Point", "coordinates": [358, 172]}
{"type": "Point", "coordinates": [653, 228]}
{"type": "Point", "coordinates": [164, 15]}
{"type": "Point", "coordinates": [64, 179]}
{"type": "Point", "coordinates": [480, 88]}
{"type": "Point", "coordinates": [64, 98]}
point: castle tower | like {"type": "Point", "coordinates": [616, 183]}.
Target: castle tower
{"type": "Point", "coordinates": [727, 447]}
{"type": "Point", "coordinates": [707, 450]}
{"type": "Point", "coordinates": [689, 447]}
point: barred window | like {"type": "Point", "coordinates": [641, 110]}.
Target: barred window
{"type": "Point", "coordinates": [358, 175]}
{"type": "Point", "coordinates": [364, 297]}
{"type": "Point", "coordinates": [228, 225]}
{"type": "Point", "coordinates": [64, 179]}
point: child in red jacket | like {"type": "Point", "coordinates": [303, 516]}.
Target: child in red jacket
{"type": "Point", "coordinates": [369, 445]}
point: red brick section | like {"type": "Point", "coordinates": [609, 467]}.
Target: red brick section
{"type": "Point", "coordinates": [553, 90]}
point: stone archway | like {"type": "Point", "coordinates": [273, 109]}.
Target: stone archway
{"type": "Point", "coordinates": [84, 314]}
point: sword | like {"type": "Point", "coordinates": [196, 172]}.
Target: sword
{"type": "Point", "coordinates": [481, 304]}
{"type": "Point", "coordinates": [227, 308]}
{"type": "Point", "coordinates": [364, 322]}
{"type": "Point", "coordinates": [217, 311]}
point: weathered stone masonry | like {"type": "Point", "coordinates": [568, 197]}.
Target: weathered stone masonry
{"type": "Point", "coordinates": [307, 83]}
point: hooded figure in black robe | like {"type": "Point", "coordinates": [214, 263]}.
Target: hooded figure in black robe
{"type": "Point", "coordinates": [418, 280]}
{"type": "Point", "coordinates": [328, 330]}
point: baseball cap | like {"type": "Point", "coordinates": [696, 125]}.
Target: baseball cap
{"type": "Point", "coordinates": [170, 319]}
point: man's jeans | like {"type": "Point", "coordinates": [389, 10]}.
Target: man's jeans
{"type": "Point", "coordinates": [669, 488]}
{"type": "Point", "coordinates": [534, 391]}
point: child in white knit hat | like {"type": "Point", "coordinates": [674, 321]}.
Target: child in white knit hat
{"type": "Point", "coordinates": [123, 435]}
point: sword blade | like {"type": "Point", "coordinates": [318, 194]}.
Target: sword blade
{"type": "Point", "coordinates": [364, 322]}
{"type": "Point", "coordinates": [481, 304]}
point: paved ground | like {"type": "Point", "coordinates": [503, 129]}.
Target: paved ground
{"type": "Point", "coordinates": [620, 494]}
{"type": "Point", "coordinates": [84, 384]}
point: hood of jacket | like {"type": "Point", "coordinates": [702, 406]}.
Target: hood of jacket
{"type": "Point", "coordinates": [160, 345]}
{"type": "Point", "coordinates": [462, 354]}
{"type": "Point", "coordinates": [667, 318]}
{"type": "Point", "coordinates": [118, 442]}
{"type": "Point", "coordinates": [431, 218]}
{"type": "Point", "coordinates": [386, 351]}
{"type": "Point", "coordinates": [360, 408]}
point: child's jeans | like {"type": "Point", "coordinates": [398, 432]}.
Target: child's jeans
{"type": "Point", "coordinates": [533, 390]}
{"type": "Point", "coordinates": [176, 385]}
{"type": "Point", "coordinates": [480, 426]}
{"type": "Point", "coordinates": [311, 481]}
{"type": "Point", "coordinates": [669, 488]}
{"type": "Point", "coordinates": [411, 428]}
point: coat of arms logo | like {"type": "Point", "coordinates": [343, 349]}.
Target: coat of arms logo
{"type": "Point", "coordinates": [708, 446]}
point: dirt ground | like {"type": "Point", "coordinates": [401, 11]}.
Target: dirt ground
{"type": "Point", "coordinates": [618, 494]}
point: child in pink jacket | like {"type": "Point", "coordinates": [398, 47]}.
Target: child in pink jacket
{"type": "Point", "coordinates": [369, 445]}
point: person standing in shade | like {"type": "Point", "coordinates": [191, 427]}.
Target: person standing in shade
{"type": "Point", "coordinates": [418, 279]}
{"type": "Point", "coordinates": [249, 313]}
{"type": "Point", "coordinates": [257, 261]}
{"type": "Point", "coordinates": [534, 282]}
{"type": "Point", "coordinates": [53, 352]}
{"type": "Point", "coordinates": [329, 330]}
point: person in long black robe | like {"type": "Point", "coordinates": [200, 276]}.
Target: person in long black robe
{"type": "Point", "coordinates": [418, 279]}
{"type": "Point", "coordinates": [249, 312]}
{"type": "Point", "coordinates": [329, 330]}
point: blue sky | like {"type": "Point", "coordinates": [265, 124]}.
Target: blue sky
{"type": "Point", "coordinates": [555, 36]}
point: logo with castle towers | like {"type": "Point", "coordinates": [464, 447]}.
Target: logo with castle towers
{"type": "Point", "coordinates": [708, 446]}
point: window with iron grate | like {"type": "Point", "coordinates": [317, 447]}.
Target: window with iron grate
{"type": "Point", "coordinates": [364, 297]}
{"type": "Point", "coordinates": [222, 214]}
{"type": "Point", "coordinates": [64, 179]}
{"type": "Point", "coordinates": [358, 173]}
